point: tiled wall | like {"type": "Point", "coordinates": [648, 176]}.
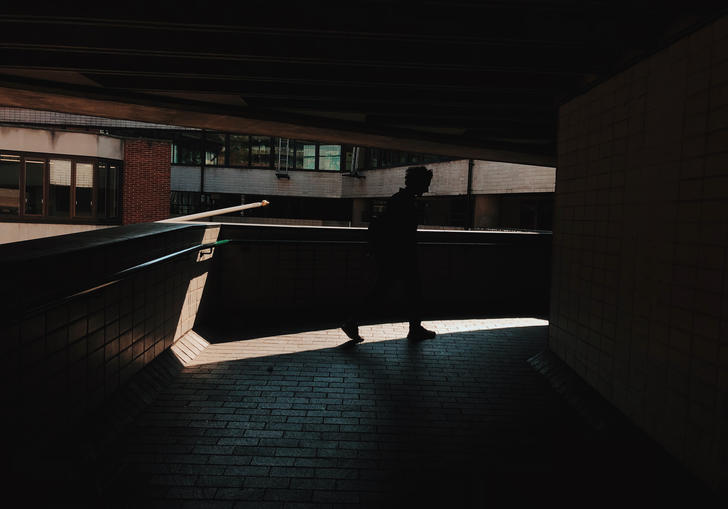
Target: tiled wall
{"type": "Point", "coordinates": [61, 363]}
{"type": "Point", "coordinates": [280, 275]}
{"type": "Point", "coordinates": [490, 177]}
{"type": "Point", "coordinates": [639, 302]}
{"type": "Point", "coordinates": [450, 178]}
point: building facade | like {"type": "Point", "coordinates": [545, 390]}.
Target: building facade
{"type": "Point", "coordinates": [67, 173]}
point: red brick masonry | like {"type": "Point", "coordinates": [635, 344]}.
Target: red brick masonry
{"type": "Point", "coordinates": [145, 187]}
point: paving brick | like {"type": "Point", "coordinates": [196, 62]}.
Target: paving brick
{"type": "Point", "coordinates": [466, 399]}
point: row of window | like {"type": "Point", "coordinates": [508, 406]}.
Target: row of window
{"type": "Point", "coordinates": [219, 149]}
{"type": "Point", "coordinates": [37, 185]}
{"type": "Point", "coordinates": [240, 150]}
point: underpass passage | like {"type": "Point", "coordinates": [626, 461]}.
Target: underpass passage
{"type": "Point", "coordinates": [308, 418]}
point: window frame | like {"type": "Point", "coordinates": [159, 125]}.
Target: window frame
{"type": "Point", "coordinates": [72, 217]}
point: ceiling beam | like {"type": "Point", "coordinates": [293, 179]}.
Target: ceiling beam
{"type": "Point", "coordinates": [92, 101]}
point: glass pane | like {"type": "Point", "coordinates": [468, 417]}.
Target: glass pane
{"type": "Point", "coordinates": [374, 159]}
{"type": "Point", "coordinates": [84, 188]}
{"type": "Point", "coordinates": [305, 155]}
{"type": "Point", "coordinates": [284, 153]}
{"type": "Point", "coordinates": [9, 184]}
{"type": "Point", "coordinates": [59, 192]}
{"type": "Point", "coordinates": [330, 157]}
{"type": "Point", "coordinates": [113, 191]}
{"type": "Point", "coordinates": [239, 150]}
{"type": "Point", "coordinates": [187, 147]}
{"type": "Point", "coordinates": [349, 160]}
{"type": "Point", "coordinates": [260, 151]}
{"type": "Point", "coordinates": [184, 202]}
{"type": "Point", "coordinates": [102, 190]}
{"type": "Point", "coordinates": [215, 149]}
{"type": "Point", "coordinates": [34, 186]}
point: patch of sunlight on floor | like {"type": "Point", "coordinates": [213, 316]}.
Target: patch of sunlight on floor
{"type": "Point", "coordinates": [329, 338]}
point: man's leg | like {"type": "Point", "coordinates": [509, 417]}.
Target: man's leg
{"type": "Point", "coordinates": [413, 292]}
{"type": "Point", "coordinates": [384, 279]}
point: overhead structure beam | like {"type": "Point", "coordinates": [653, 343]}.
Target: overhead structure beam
{"type": "Point", "coordinates": [92, 101]}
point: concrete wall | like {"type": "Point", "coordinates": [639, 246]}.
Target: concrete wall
{"type": "Point", "coordinates": [279, 274]}
{"type": "Point", "coordinates": [17, 232]}
{"type": "Point", "coordinates": [62, 362]}
{"type": "Point", "coordinates": [53, 141]}
{"type": "Point", "coordinates": [257, 181]}
{"type": "Point", "coordinates": [491, 177]}
{"type": "Point", "coordinates": [450, 178]}
{"type": "Point", "coordinates": [185, 178]}
{"type": "Point", "coordinates": [639, 302]}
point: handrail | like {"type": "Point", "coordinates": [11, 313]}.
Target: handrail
{"type": "Point", "coordinates": [119, 276]}
{"type": "Point", "coordinates": [306, 241]}
{"type": "Point", "coordinates": [122, 274]}
{"type": "Point", "coordinates": [217, 212]}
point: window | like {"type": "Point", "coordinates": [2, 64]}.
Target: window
{"type": "Point", "coordinates": [187, 148]}
{"type": "Point", "coordinates": [215, 149]}
{"type": "Point", "coordinates": [349, 158]}
{"type": "Point", "coordinates": [184, 202]}
{"type": "Point", "coordinates": [375, 158]}
{"type": "Point", "coordinates": [284, 153]}
{"type": "Point", "coordinates": [34, 186]}
{"type": "Point", "coordinates": [9, 184]}
{"type": "Point", "coordinates": [34, 170]}
{"type": "Point", "coordinates": [415, 159]}
{"type": "Point", "coordinates": [330, 157]}
{"type": "Point", "coordinates": [305, 157]}
{"type": "Point", "coordinates": [107, 190]}
{"type": "Point", "coordinates": [260, 153]}
{"type": "Point", "coordinates": [84, 190]}
{"type": "Point", "coordinates": [239, 150]}
{"type": "Point", "coordinates": [59, 190]}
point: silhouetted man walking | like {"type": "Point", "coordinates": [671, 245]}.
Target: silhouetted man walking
{"type": "Point", "coordinates": [393, 243]}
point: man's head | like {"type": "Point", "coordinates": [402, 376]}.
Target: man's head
{"type": "Point", "coordinates": [417, 179]}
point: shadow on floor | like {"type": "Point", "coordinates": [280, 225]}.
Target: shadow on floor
{"type": "Point", "coordinates": [459, 421]}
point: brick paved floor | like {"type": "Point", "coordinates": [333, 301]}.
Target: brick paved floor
{"type": "Point", "coordinates": [307, 419]}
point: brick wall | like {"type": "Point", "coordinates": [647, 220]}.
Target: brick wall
{"type": "Point", "coordinates": [639, 303]}
{"type": "Point", "coordinates": [146, 181]}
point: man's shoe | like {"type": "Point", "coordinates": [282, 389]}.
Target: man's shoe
{"type": "Point", "coordinates": [419, 333]}
{"type": "Point", "coordinates": [352, 331]}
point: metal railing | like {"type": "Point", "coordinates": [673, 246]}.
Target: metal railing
{"type": "Point", "coordinates": [116, 278]}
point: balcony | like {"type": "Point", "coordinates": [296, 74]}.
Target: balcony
{"type": "Point", "coordinates": [185, 363]}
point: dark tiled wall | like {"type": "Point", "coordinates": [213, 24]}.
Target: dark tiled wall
{"type": "Point", "coordinates": [639, 303]}
{"type": "Point", "coordinates": [62, 363]}
{"type": "Point", "coordinates": [282, 275]}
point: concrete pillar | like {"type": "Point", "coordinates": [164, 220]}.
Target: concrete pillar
{"type": "Point", "coordinates": [358, 207]}
{"type": "Point", "coordinates": [486, 211]}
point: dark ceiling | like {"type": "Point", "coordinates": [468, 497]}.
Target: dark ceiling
{"type": "Point", "coordinates": [460, 78]}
